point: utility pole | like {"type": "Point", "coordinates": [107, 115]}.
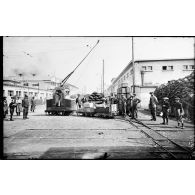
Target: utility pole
{"type": "Point", "coordinates": [103, 77]}
{"type": "Point", "coordinates": [133, 66]}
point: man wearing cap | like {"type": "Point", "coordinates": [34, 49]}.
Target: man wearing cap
{"type": "Point", "coordinates": [152, 105]}
{"type": "Point", "coordinates": [165, 110]}
{"type": "Point", "coordinates": [135, 102]}
{"type": "Point", "coordinates": [179, 112]}
{"type": "Point", "coordinates": [12, 105]}
{"type": "Point", "coordinates": [25, 105]}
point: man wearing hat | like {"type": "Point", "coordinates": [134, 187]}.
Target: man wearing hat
{"type": "Point", "coordinates": [12, 105]}
{"type": "Point", "coordinates": [165, 110]}
{"type": "Point", "coordinates": [25, 105]}
{"type": "Point", "coordinates": [135, 102]}
{"type": "Point", "coordinates": [152, 105]}
{"type": "Point", "coordinates": [179, 112]}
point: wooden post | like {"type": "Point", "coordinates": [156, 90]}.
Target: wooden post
{"type": "Point", "coordinates": [133, 66]}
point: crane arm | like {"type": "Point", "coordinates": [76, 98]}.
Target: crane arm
{"type": "Point", "coordinates": [68, 76]}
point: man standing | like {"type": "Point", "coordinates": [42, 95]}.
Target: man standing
{"type": "Point", "coordinates": [18, 106]}
{"type": "Point", "coordinates": [5, 107]}
{"type": "Point", "coordinates": [123, 101]}
{"type": "Point", "coordinates": [179, 112]}
{"type": "Point", "coordinates": [135, 102]}
{"type": "Point", "coordinates": [78, 101]}
{"type": "Point", "coordinates": [165, 110]}
{"type": "Point", "coordinates": [11, 108]}
{"type": "Point", "coordinates": [33, 104]}
{"type": "Point", "coordinates": [25, 105]}
{"type": "Point", "coordinates": [152, 105]}
{"type": "Point", "coordinates": [129, 105]}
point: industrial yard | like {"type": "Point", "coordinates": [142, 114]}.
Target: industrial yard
{"type": "Point", "coordinates": [79, 137]}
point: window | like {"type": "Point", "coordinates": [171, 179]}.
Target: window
{"type": "Point", "coordinates": [25, 93]}
{"type": "Point", "coordinates": [124, 77]}
{"type": "Point", "coordinates": [127, 75]}
{"type": "Point", "coordinates": [10, 93]}
{"type": "Point", "coordinates": [164, 68]}
{"type": "Point", "coordinates": [170, 67]}
{"type": "Point", "coordinates": [188, 67]}
{"type": "Point", "coordinates": [146, 68]}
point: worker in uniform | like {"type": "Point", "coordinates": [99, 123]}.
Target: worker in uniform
{"type": "Point", "coordinates": [12, 105]}
{"type": "Point", "coordinates": [129, 105]}
{"type": "Point", "coordinates": [25, 105]}
{"type": "Point", "coordinates": [135, 102]}
{"type": "Point", "coordinates": [165, 110]}
{"type": "Point", "coordinates": [179, 112]}
{"type": "Point", "coordinates": [18, 106]}
{"type": "Point", "coordinates": [152, 105]}
{"type": "Point", "coordinates": [124, 104]}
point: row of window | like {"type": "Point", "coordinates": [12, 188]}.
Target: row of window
{"type": "Point", "coordinates": [185, 67]}
{"type": "Point", "coordinates": [19, 93]}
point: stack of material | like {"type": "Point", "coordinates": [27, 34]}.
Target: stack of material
{"type": "Point", "coordinates": [97, 98]}
{"type": "Point", "coordinates": [182, 88]}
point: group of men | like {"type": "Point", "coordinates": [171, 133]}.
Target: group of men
{"type": "Point", "coordinates": [129, 105]}
{"type": "Point", "coordinates": [179, 112]}
{"type": "Point", "coordinates": [20, 105]}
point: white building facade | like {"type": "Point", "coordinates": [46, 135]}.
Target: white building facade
{"type": "Point", "coordinates": [149, 74]}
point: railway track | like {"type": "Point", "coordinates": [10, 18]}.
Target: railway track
{"type": "Point", "coordinates": [167, 148]}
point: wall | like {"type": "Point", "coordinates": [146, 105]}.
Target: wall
{"type": "Point", "coordinates": [159, 76]}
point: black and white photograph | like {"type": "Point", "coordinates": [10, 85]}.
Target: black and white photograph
{"type": "Point", "coordinates": [98, 97]}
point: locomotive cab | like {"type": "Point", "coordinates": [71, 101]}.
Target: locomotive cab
{"type": "Point", "coordinates": [61, 104]}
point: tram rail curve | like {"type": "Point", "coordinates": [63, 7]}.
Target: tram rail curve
{"type": "Point", "coordinates": [171, 151]}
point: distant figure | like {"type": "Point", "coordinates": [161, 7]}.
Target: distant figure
{"type": "Point", "coordinates": [5, 107]}
{"type": "Point", "coordinates": [135, 102]}
{"type": "Point", "coordinates": [33, 104]}
{"type": "Point", "coordinates": [25, 105]}
{"type": "Point", "coordinates": [179, 112]}
{"type": "Point", "coordinates": [165, 110]}
{"type": "Point", "coordinates": [152, 105]}
{"type": "Point", "coordinates": [18, 106]}
{"type": "Point", "coordinates": [12, 105]}
{"type": "Point", "coordinates": [58, 97]}
{"type": "Point", "coordinates": [129, 105]}
{"type": "Point", "coordinates": [124, 104]}
{"type": "Point", "coordinates": [79, 101]}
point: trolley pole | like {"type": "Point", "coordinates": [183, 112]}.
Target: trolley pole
{"type": "Point", "coordinates": [133, 66]}
{"type": "Point", "coordinates": [103, 77]}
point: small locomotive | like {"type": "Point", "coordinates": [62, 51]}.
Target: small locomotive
{"type": "Point", "coordinates": [61, 104]}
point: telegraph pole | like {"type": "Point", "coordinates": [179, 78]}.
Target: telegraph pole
{"type": "Point", "coordinates": [103, 77]}
{"type": "Point", "coordinates": [133, 66]}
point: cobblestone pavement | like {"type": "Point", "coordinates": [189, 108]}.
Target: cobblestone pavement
{"type": "Point", "coordinates": [76, 137]}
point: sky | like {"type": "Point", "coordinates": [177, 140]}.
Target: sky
{"type": "Point", "coordinates": [60, 55]}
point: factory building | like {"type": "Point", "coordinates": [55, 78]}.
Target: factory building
{"type": "Point", "coordinates": [41, 89]}
{"type": "Point", "coordinates": [150, 74]}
